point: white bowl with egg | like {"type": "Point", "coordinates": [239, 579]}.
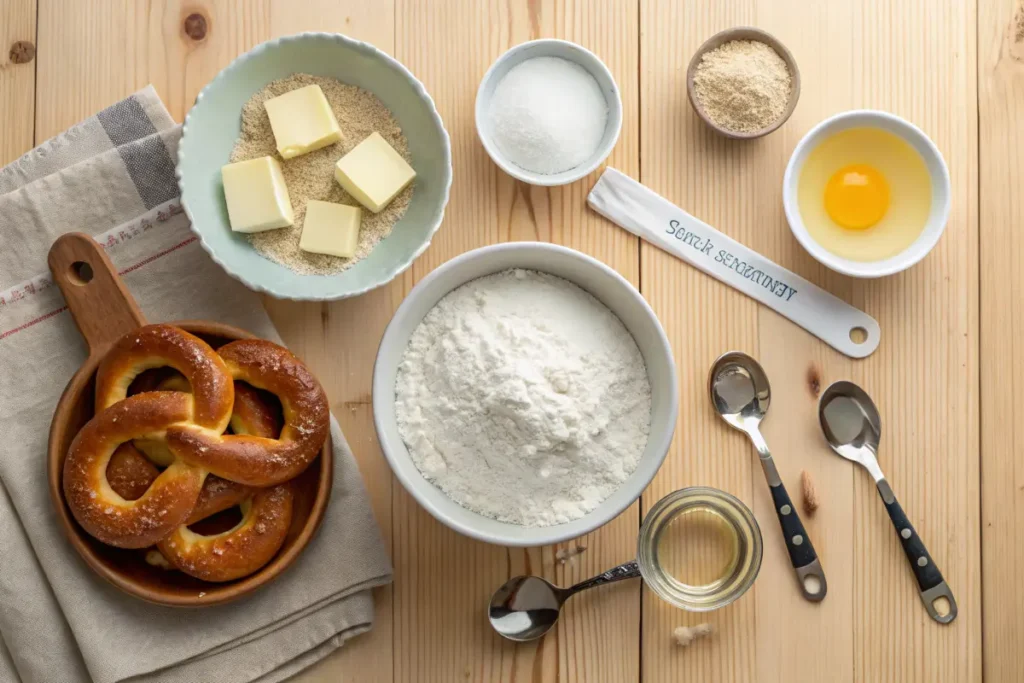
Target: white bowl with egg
{"type": "Point", "coordinates": [605, 285]}
{"type": "Point", "coordinates": [934, 214]}
{"type": "Point", "coordinates": [571, 52]}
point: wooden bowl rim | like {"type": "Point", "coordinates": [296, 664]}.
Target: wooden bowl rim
{"type": "Point", "coordinates": [218, 593]}
{"type": "Point", "coordinates": [743, 33]}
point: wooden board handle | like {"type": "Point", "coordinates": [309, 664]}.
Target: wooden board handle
{"type": "Point", "coordinates": [100, 304]}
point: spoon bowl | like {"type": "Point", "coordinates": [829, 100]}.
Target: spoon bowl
{"type": "Point", "coordinates": [850, 422]}
{"type": "Point", "coordinates": [739, 389]}
{"type": "Point", "coordinates": [525, 608]}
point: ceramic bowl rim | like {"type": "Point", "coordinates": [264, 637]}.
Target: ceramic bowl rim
{"type": "Point", "coordinates": [420, 90]}
{"type": "Point", "coordinates": [416, 484]}
{"type": "Point", "coordinates": [937, 171]}
{"type": "Point", "coordinates": [589, 59]}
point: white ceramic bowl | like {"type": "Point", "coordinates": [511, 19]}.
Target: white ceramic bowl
{"type": "Point", "coordinates": [549, 47]}
{"type": "Point", "coordinates": [933, 160]}
{"type": "Point", "coordinates": [607, 286]}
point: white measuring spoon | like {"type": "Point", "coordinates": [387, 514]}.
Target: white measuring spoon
{"type": "Point", "coordinates": [653, 218]}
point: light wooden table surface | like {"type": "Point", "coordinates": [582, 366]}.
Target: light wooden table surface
{"type": "Point", "coordinates": [945, 377]}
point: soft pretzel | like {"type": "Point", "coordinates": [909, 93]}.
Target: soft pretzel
{"type": "Point", "coordinates": [157, 346]}
{"type": "Point", "coordinates": [241, 550]}
{"type": "Point", "coordinates": [257, 460]}
{"type": "Point", "coordinates": [251, 414]}
{"type": "Point", "coordinates": [130, 472]}
{"type": "Point", "coordinates": [165, 504]}
{"type": "Point", "coordinates": [266, 515]}
{"type": "Point", "coordinates": [192, 425]}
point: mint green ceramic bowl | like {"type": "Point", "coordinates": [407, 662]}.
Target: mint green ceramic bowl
{"type": "Point", "coordinates": [212, 127]}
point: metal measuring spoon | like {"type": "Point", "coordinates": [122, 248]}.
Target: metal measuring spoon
{"type": "Point", "coordinates": [853, 429]}
{"type": "Point", "coordinates": [526, 607]}
{"type": "Point", "coordinates": [740, 394]}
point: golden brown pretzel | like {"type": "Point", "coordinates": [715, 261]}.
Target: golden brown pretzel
{"type": "Point", "coordinates": [192, 426]}
{"type": "Point", "coordinates": [251, 414]}
{"type": "Point", "coordinates": [164, 506]}
{"type": "Point", "coordinates": [241, 550]}
{"type": "Point", "coordinates": [130, 472]}
{"type": "Point", "coordinates": [258, 460]}
{"type": "Point", "coordinates": [156, 346]}
{"type": "Point", "coordinates": [266, 515]}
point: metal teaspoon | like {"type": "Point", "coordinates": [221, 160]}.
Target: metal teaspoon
{"type": "Point", "coordinates": [740, 394]}
{"type": "Point", "coordinates": [853, 429]}
{"type": "Point", "coordinates": [526, 607]}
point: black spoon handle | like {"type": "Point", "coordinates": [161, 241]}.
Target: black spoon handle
{"type": "Point", "coordinates": [931, 586]}
{"type": "Point", "coordinates": [805, 562]}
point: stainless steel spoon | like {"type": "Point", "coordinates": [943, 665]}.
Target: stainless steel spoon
{"type": "Point", "coordinates": [853, 429]}
{"type": "Point", "coordinates": [526, 607]}
{"type": "Point", "coordinates": [740, 394]}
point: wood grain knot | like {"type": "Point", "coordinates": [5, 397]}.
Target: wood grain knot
{"type": "Point", "coordinates": [1015, 33]}
{"type": "Point", "coordinates": [196, 26]}
{"type": "Point", "coordinates": [814, 381]}
{"type": "Point", "coordinates": [22, 52]}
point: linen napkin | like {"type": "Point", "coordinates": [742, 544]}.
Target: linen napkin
{"type": "Point", "coordinates": [113, 176]}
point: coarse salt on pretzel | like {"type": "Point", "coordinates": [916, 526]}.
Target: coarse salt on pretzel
{"type": "Point", "coordinates": [241, 550]}
{"type": "Point", "coordinates": [166, 503]}
{"type": "Point", "coordinates": [156, 346]}
{"type": "Point", "coordinates": [130, 472]}
{"type": "Point", "coordinates": [251, 414]}
{"type": "Point", "coordinates": [258, 460]}
{"type": "Point", "coordinates": [266, 515]}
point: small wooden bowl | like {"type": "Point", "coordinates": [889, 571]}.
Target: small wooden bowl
{"type": "Point", "coordinates": [743, 33]}
{"type": "Point", "coordinates": [104, 311]}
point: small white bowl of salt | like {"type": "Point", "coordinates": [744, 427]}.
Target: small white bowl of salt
{"type": "Point", "coordinates": [548, 112]}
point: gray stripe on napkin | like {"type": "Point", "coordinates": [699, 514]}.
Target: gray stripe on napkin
{"type": "Point", "coordinates": [125, 122]}
{"type": "Point", "coordinates": [149, 165]}
{"type": "Point", "coordinates": [151, 169]}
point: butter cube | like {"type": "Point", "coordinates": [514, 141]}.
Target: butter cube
{"type": "Point", "coordinates": [331, 229]}
{"type": "Point", "coordinates": [256, 195]}
{"type": "Point", "coordinates": [374, 173]}
{"type": "Point", "coordinates": [302, 121]}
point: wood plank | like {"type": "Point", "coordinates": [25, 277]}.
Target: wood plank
{"type": "Point", "coordinates": [339, 339]}
{"type": "Point", "coordinates": [850, 55]}
{"type": "Point", "coordinates": [1000, 110]}
{"type": "Point", "coordinates": [100, 52]}
{"type": "Point", "coordinates": [17, 78]}
{"type": "Point", "coordinates": [707, 177]}
{"type": "Point", "coordinates": [444, 580]}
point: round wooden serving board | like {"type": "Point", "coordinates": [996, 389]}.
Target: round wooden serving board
{"type": "Point", "coordinates": [104, 311]}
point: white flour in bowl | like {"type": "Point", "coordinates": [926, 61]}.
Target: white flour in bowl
{"type": "Point", "coordinates": [523, 398]}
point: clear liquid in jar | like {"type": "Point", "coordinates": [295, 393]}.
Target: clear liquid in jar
{"type": "Point", "coordinates": [698, 548]}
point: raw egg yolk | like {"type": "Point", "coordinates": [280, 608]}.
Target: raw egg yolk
{"type": "Point", "coordinates": [857, 196]}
